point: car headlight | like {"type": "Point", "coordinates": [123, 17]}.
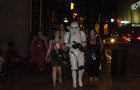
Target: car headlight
{"type": "Point", "coordinates": [112, 40]}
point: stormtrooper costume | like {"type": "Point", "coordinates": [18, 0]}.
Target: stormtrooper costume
{"type": "Point", "coordinates": [76, 41]}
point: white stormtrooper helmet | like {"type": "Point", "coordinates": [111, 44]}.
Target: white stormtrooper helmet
{"type": "Point", "coordinates": [74, 28]}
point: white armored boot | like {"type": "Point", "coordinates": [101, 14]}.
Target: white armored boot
{"type": "Point", "coordinates": [74, 79]}
{"type": "Point", "coordinates": [80, 78]}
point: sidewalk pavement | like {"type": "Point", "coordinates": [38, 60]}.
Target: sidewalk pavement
{"type": "Point", "coordinates": [29, 78]}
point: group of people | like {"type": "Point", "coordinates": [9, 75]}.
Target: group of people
{"type": "Point", "coordinates": [44, 50]}
{"type": "Point", "coordinates": [80, 48]}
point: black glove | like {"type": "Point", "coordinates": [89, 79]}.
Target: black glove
{"type": "Point", "coordinates": [76, 45]}
{"type": "Point", "coordinates": [82, 49]}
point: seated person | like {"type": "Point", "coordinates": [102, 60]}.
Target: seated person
{"type": "Point", "coordinates": [1, 63]}
{"type": "Point", "coordinates": [12, 53]}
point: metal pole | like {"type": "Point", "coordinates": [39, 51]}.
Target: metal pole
{"type": "Point", "coordinates": [30, 31]}
{"type": "Point", "coordinates": [102, 19]}
{"type": "Point", "coordinates": [40, 13]}
{"type": "Point", "coordinates": [131, 17]}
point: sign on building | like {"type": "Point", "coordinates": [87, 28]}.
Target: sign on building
{"type": "Point", "coordinates": [135, 5]}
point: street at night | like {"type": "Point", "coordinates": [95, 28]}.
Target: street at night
{"type": "Point", "coordinates": [70, 44]}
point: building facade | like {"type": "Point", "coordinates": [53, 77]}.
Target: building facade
{"type": "Point", "coordinates": [129, 12]}
{"type": "Point", "coordinates": [14, 25]}
{"type": "Point", "coordinates": [20, 19]}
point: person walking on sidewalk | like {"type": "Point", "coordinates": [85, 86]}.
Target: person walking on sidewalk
{"type": "Point", "coordinates": [66, 52]}
{"type": "Point", "coordinates": [93, 57]}
{"type": "Point", "coordinates": [38, 50]}
{"type": "Point", "coordinates": [55, 50]}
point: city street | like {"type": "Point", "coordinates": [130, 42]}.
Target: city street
{"type": "Point", "coordinates": [34, 30]}
{"type": "Point", "coordinates": [28, 78]}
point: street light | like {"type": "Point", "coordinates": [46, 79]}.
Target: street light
{"type": "Point", "coordinates": [72, 6]}
{"type": "Point", "coordinates": [112, 20]}
{"type": "Point", "coordinates": [66, 20]}
{"type": "Point", "coordinates": [74, 15]}
{"type": "Point", "coordinates": [124, 21]}
{"type": "Point", "coordinates": [118, 20]}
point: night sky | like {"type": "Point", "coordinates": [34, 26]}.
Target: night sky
{"type": "Point", "coordinates": [110, 8]}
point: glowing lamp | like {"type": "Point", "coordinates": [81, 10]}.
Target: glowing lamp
{"type": "Point", "coordinates": [124, 21]}
{"type": "Point", "coordinates": [81, 25]}
{"type": "Point", "coordinates": [66, 20]}
{"type": "Point", "coordinates": [118, 20]}
{"type": "Point", "coordinates": [106, 21]}
{"type": "Point", "coordinates": [72, 6]}
{"type": "Point", "coordinates": [112, 40]}
{"type": "Point", "coordinates": [112, 20]}
{"type": "Point", "coordinates": [138, 38]}
{"type": "Point", "coordinates": [74, 15]}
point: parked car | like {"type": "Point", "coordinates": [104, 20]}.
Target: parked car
{"type": "Point", "coordinates": [109, 39]}
{"type": "Point", "coordinates": [127, 37]}
{"type": "Point", "coordinates": [124, 38]}
{"type": "Point", "coordinates": [136, 39]}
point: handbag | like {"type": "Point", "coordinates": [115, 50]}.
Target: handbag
{"type": "Point", "coordinates": [59, 55]}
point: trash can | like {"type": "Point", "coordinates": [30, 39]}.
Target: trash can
{"type": "Point", "coordinates": [119, 62]}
